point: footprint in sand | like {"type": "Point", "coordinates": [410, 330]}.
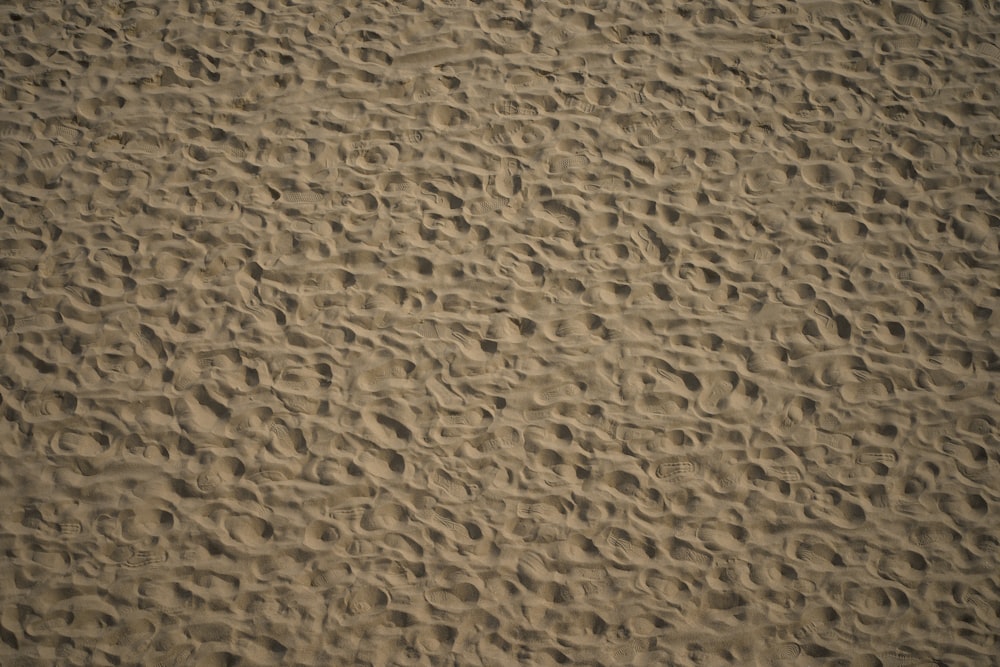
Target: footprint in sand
{"type": "Point", "coordinates": [463, 533]}
{"type": "Point", "coordinates": [454, 488]}
{"type": "Point", "coordinates": [385, 376]}
{"type": "Point", "coordinates": [623, 547]}
{"type": "Point", "coordinates": [41, 407]}
{"type": "Point", "coordinates": [785, 653]}
{"type": "Point", "coordinates": [567, 163]}
{"type": "Point", "coordinates": [514, 108]}
{"type": "Point", "coordinates": [904, 567]}
{"type": "Point", "coordinates": [867, 390]}
{"type": "Point", "coordinates": [380, 463]}
{"type": "Point", "coordinates": [680, 550]}
{"type": "Point", "coordinates": [54, 159]}
{"type": "Point", "coordinates": [364, 599]}
{"type": "Point", "coordinates": [562, 392]}
{"type": "Point", "coordinates": [816, 622]}
{"type": "Point", "coordinates": [386, 516]}
{"type": "Point", "coordinates": [285, 442]}
{"type": "Point", "coordinates": [320, 536]}
{"type": "Point", "coordinates": [972, 461]}
{"type": "Point", "coordinates": [132, 634]}
{"type": "Point", "coordinates": [539, 510]}
{"type": "Point", "coordinates": [88, 445]}
{"type": "Point", "coordinates": [143, 558]}
{"type": "Point", "coordinates": [836, 508]}
{"type": "Point", "coordinates": [676, 469]}
{"type": "Point", "coordinates": [456, 598]}
{"type": "Point", "coordinates": [508, 178]}
{"type": "Point", "coordinates": [988, 51]}
{"type": "Point", "coordinates": [982, 606]}
{"type": "Point", "coordinates": [629, 650]}
{"type": "Point", "coordinates": [490, 205]}
{"type": "Point", "coordinates": [926, 536]}
{"type": "Point", "coordinates": [220, 474]}
{"type": "Point", "coordinates": [499, 134]}
{"type": "Point", "coordinates": [248, 530]}
{"type": "Point", "coordinates": [784, 473]}
{"type": "Point", "coordinates": [877, 456]}
{"type": "Point", "coordinates": [713, 398]}
{"type": "Point", "coordinates": [302, 197]}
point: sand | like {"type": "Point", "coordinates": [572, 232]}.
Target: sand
{"type": "Point", "coordinates": [457, 333]}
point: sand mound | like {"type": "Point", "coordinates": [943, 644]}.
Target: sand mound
{"type": "Point", "coordinates": [431, 333]}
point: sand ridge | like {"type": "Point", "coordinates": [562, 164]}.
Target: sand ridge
{"type": "Point", "coordinates": [426, 333]}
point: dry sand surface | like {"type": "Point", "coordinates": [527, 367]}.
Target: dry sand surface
{"type": "Point", "coordinates": [458, 333]}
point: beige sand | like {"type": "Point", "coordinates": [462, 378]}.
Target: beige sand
{"type": "Point", "coordinates": [434, 333]}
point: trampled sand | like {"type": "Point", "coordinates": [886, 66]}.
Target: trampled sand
{"type": "Point", "coordinates": [456, 333]}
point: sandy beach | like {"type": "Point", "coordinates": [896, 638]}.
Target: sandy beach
{"type": "Point", "coordinates": [500, 333]}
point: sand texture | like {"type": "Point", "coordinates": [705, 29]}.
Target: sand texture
{"type": "Point", "coordinates": [496, 333]}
